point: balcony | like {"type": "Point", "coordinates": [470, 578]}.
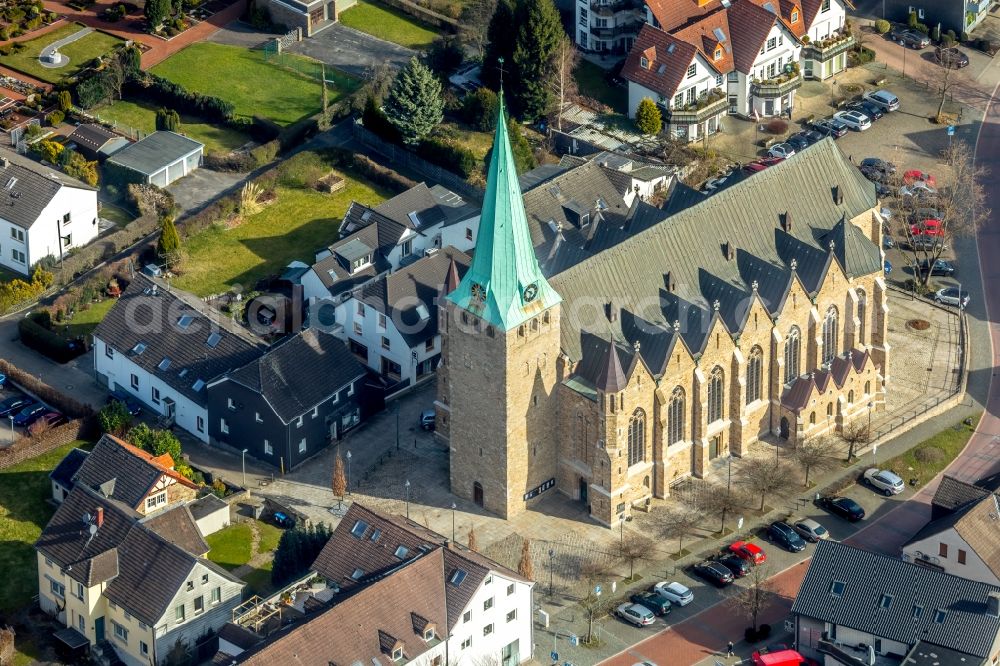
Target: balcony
{"type": "Point", "coordinates": [625, 30]}
{"type": "Point", "coordinates": [607, 8]}
{"type": "Point", "coordinates": [777, 86]}
{"type": "Point", "coordinates": [827, 48]}
{"type": "Point", "coordinates": [708, 104]}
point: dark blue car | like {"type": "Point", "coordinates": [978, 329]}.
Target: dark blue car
{"type": "Point", "coordinates": [15, 404]}
{"type": "Point", "coordinates": [785, 536]}
{"type": "Point", "coordinates": [29, 415]}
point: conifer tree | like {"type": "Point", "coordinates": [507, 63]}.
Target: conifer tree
{"type": "Point", "coordinates": [538, 35]}
{"type": "Point", "coordinates": [414, 105]}
{"type": "Point", "coordinates": [648, 118]}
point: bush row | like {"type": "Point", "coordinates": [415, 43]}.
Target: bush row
{"type": "Point", "coordinates": [71, 407]}
{"type": "Point", "coordinates": [36, 334]}
{"type": "Point", "coordinates": [15, 292]}
{"type": "Point", "coordinates": [164, 92]}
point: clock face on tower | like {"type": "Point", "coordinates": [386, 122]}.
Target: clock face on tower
{"type": "Point", "coordinates": [530, 292]}
{"type": "Point", "coordinates": [478, 292]}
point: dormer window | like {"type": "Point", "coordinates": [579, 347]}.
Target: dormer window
{"type": "Point", "coordinates": [644, 62]}
{"type": "Point", "coordinates": [363, 262]}
{"type": "Point", "coordinates": [429, 634]}
{"type": "Point", "coordinates": [795, 16]}
{"type": "Point", "coordinates": [397, 654]}
{"type": "Point", "coordinates": [718, 53]}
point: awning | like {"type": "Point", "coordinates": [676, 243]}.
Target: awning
{"type": "Point", "coordinates": [71, 638]}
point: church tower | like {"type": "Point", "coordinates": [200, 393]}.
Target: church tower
{"type": "Point", "coordinates": [500, 345]}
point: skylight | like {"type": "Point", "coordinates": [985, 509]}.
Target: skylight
{"type": "Point", "coordinates": [414, 218]}
{"type": "Point", "coordinates": [918, 611]}
{"type": "Point", "coordinates": [769, 7]}
{"type": "Point", "coordinates": [183, 373]}
{"type": "Point", "coordinates": [939, 615]}
{"type": "Point", "coordinates": [376, 534]}
{"type": "Point", "coordinates": [198, 385]}
{"type": "Point", "coordinates": [357, 574]}
{"type": "Point", "coordinates": [402, 552]}
{"type": "Point", "coordinates": [359, 529]}
{"type": "Point", "coordinates": [184, 322]}
{"type": "Point", "coordinates": [837, 588]}
{"type": "Point", "coordinates": [164, 364]}
{"type": "Point", "coordinates": [457, 577]}
{"type": "Point", "coordinates": [423, 313]}
{"type": "Point", "coordinates": [139, 348]}
{"type": "Point", "coordinates": [719, 35]}
{"type": "Point", "coordinates": [214, 339]}
{"type": "Point", "coordinates": [885, 601]}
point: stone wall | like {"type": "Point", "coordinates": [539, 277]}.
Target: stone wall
{"type": "Point", "coordinates": [26, 448]}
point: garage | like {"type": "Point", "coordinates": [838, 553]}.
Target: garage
{"type": "Point", "coordinates": [158, 159]}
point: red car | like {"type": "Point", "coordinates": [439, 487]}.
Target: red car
{"type": "Point", "coordinates": [762, 163]}
{"type": "Point", "coordinates": [914, 175]}
{"type": "Point", "coordinates": [927, 228]}
{"type": "Point", "coordinates": [748, 551]}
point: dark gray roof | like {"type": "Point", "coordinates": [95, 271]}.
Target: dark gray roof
{"type": "Point", "coordinates": [927, 654]}
{"type": "Point", "coordinates": [953, 494]}
{"type": "Point", "coordinates": [691, 246]}
{"type": "Point", "coordinates": [539, 175]}
{"type": "Point", "coordinates": [420, 207]}
{"type": "Point", "coordinates": [92, 136]}
{"type": "Point", "coordinates": [155, 152]}
{"type": "Point", "coordinates": [27, 187]}
{"type": "Point", "coordinates": [150, 315]}
{"type": "Point", "coordinates": [67, 468]}
{"type": "Point", "coordinates": [965, 626]}
{"type": "Point", "coordinates": [206, 506]}
{"type": "Point", "coordinates": [176, 525]}
{"type": "Point", "coordinates": [369, 228]}
{"type": "Point", "coordinates": [401, 295]}
{"type": "Point", "coordinates": [239, 636]}
{"type": "Point", "coordinates": [299, 373]}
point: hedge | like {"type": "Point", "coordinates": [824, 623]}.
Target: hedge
{"type": "Point", "coordinates": [36, 335]}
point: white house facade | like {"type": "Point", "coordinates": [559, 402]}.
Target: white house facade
{"type": "Point", "coordinates": [496, 626]}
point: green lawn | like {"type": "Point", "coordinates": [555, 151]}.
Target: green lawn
{"type": "Point", "coordinates": [231, 546]}
{"type": "Point", "coordinates": [388, 24]}
{"type": "Point", "coordinates": [592, 82]}
{"type": "Point", "coordinates": [80, 52]}
{"type": "Point", "coordinates": [85, 321]}
{"type": "Point", "coordinates": [255, 87]}
{"type": "Point", "coordinates": [918, 463]}
{"type": "Point", "coordinates": [24, 511]}
{"type": "Point", "coordinates": [259, 581]}
{"type": "Point", "coordinates": [269, 537]}
{"type": "Point", "coordinates": [142, 116]}
{"type": "Point", "coordinates": [291, 227]}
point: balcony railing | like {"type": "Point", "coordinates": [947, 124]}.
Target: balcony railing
{"type": "Point", "coordinates": [605, 8]}
{"type": "Point", "coordinates": [829, 47]}
{"type": "Point", "coordinates": [777, 86]}
{"type": "Point", "coordinates": [707, 105]}
{"type": "Point", "coordinates": [625, 30]}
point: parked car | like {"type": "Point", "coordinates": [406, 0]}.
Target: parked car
{"type": "Point", "coordinates": [927, 242]}
{"type": "Point", "coordinates": [782, 150]}
{"type": "Point", "coordinates": [887, 242]}
{"type": "Point", "coordinates": [883, 99]}
{"type": "Point", "coordinates": [736, 564]}
{"type": "Point", "coordinates": [798, 142]}
{"type": "Point", "coordinates": [946, 296]}
{"type": "Point", "coordinates": [635, 614]}
{"type": "Point", "coordinates": [282, 519]}
{"type": "Point", "coordinates": [678, 594]}
{"type": "Point", "coordinates": [878, 164]}
{"type": "Point", "coordinates": [914, 176]}
{"type": "Point", "coordinates": [51, 419]}
{"type": "Point", "coordinates": [910, 38]}
{"type": "Point", "coordinates": [810, 530]}
{"type": "Point", "coordinates": [427, 419]}
{"type": "Point", "coordinates": [762, 163]}
{"type": "Point", "coordinates": [873, 111]}
{"type": "Point", "coordinates": [941, 267]}
{"type": "Point", "coordinates": [748, 551]}
{"type": "Point", "coordinates": [713, 572]}
{"type": "Point", "coordinates": [921, 214]}
{"type": "Point", "coordinates": [874, 175]}
{"type": "Point", "coordinates": [856, 121]}
{"type": "Point", "coordinates": [14, 404]}
{"type": "Point", "coordinates": [830, 127]}
{"type": "Point", "coordinates": [29, 415]}
{"type": "Point", "coordinates": [917, 189]}
{"type": "Point", "coordinates": [844, 507]}
{"type": "Point", "coordinates": [654, 601]}
{"type": "Point", "coordinates": [884, 480]}
{"type": "Point", "coordinates": [928, 227]}
{"type": "Point", "coordinates": [782, 534]}
{"type": "Point", "coordinates": [131, 404]}
{"type": "Point", "coordinates": [951, 58]}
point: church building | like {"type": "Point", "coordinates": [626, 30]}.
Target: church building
{"type": "Point", "coordinates": [611, 357]}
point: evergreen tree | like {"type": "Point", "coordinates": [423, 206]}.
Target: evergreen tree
{"type": "Point", "coordinates": [170, 241]}
{"type": "Point", "coordinates": [499, 45]}
{"type": "Point", "coordinates": [64, 100]}
{"type": "Point", "coordinates": [537, 41]}
{"type": "Point", "coordinates": [648, 118]}
{"type": "Point", "coordinates": [414, 105]}
{"type": "Point", "coordinates": [524, 157]}
{"type": "Point", "coordinates": [167, 120]}
{"type": "Point", "coordinates": [155, 12]}
{"type": "Point", "coordinates": [131, 59]}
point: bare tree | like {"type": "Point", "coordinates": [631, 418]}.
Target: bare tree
{"type": "Point", "coordinates": [525, 567]}
{"type": "Point", "coordinates": [593, 572]}
{"type": "Point", "coordinates": [749, 600]}
{"type": "Point", "coordinates": [678, 524]}
{"type": "Point", "coordinates": [115, 75]}
{"type": "Point", "coordinates": [564, 62]}
{"type": "Point", "coordinates": [722, 502]}
{"type": "Point", "coordinates": [762, 476]}
{"type": "Point", "coordinates": [475, 24]}
{"type": "Point", "coordinates": [472, 543]}
{"type": "Point", "coordinates": [856, 435]}
{"type": "Point", "coordinates": [634, 547]}
{"type": "Point", "coordinates": [814, 454]}
{"type": "Point", "coordinates": [339, 481]}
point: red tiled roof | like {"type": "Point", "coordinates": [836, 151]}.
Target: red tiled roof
{"type": "Point", "coordinates": [702, 34]}
{"type": "Point", "coordinates": [673, 14]}
{"type": "Point", "coordinates": [162, 462]}
{"type": "Point", "coordinates": [666, 66]}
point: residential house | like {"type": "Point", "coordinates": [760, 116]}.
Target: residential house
{"type": "Point", "coordinates": [375, 241]}
{"type": "Point", "coordinates": [45, 213]}
{"type": "Point", "coordinates": [958, 15]}
{"type": "Point", "coordinates": [96, 142]}
{"type": "Point", "coordinates": [137, 589]}
{"type": "Point", "coordinates": [486, 608]}
{"type": "Point", "coordinates": [210, 514]}
{"type": "Point", "coordinates": [860, 607]}
{"type": "Point", "coordinates": [965, 543]}
{"type": "Point", "coordinates": [164, 346]}
{"type": "Point", "coordinates": [307, 16]}
{"type": "Point", "coordinates": [124, 473]}
{"type": "Point", "coordinates": [632, 176]}
{"type": "Point", "coordinates": [287, 405]}
{"type": "Point", "coordinates": [388, 323]}
{"type": "Point", "coordinates": [157, 159]}
{"type": "Point", "coordinates": [953, 494]}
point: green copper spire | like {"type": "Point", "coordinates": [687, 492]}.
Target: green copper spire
{"type": "Point", "coordinates": [504, 285]}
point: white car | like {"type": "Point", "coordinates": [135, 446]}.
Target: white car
{"type": "Point", "coordinates": [810, 530]}
{"type": "Point", "coordinates": [884, 480]}
{"type": "Point", "coordinates": [916, 188]}
{"type": "Point", "coordinates": [883, 99]}
{"type": "Point", "coordinates": [713, 184]}
{"type": "Point", "coordinates": [678, 594]}
{"type": "Point", "coordinates": [635, 614]}
{"type": "Point", "coordinates": [784, 150]}
{"type": "Point", "coordinates": [854, 120]}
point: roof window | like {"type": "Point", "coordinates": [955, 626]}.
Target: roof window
{"type": "Point", "coordinates": [939, 615]}
{"type": "Point", "coordinates": [139, 348]}
{"type": "Point", "coordinates": [885, 601]}
{"type": "Point", "coordinates": [837, 588]}
{"type": "Point", "coordinates": [402, 552]}
{"type": "Point", "coordinates": [184, 322]}
{"type": "Point", "coordinates": [457, 577]}
{"type": "Point", "coordinates": [164, 364]}
{"type": "Point", "coordinates": [359, 529]}
{"type": "Point", "coordinates": [198, 385]}
{"type": "Point", "coordinates": [357, 574]}
{"type": "Point", "coordinates": [214, 339]}
{"type": "Point", "coordinates": [376, 534]}
{"type": "Point", "coordinates": [918, 611]}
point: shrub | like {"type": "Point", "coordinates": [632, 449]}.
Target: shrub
{"type": "Point", "coordinates": [115, 419]}
{"type": "Point", "coordinates": [55, 118]}
{"type": "Point", "coordinates": [36, 335]}
{"type": "Point", "coordinates": [265, 153]}
{"type": "Point", "coordinates": [219, 488]}
{"type": "Point", "coordinates": [648, 118]}
{"type": "Point", "coordinates": [776, 126]}
{"type": "Point", "coordinates": [922, 27]}
{"type": "Point", "coordinates": [935, 33]}
{"type": "Point", "coordinates": [454, 158]}
{"type": "Point", "coordinates": [479, 109]}
{"type": "Point", "coordinates": [154, 441]}
{"type": "Point", "coordinates": [297, 548]}
{"type": "Point", "coordinates": [302, 170]}
{"type": "Point", "coordinates": [912, 20]}
{"type": "Point", "coordinates": [929, 454]}
{"type": "Point", "coordinates": [882, 26]}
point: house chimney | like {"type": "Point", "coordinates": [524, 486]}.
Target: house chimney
{"type": "Point", "coordinates": [4, 162]}
{"type": "Point", "coordinates": [787, 222]}
{"type": "Point", "coordinates": [730, 250]}
{"type": "Point", "coordinates": [611, 310]}
{"type": "Point", "coordinates": [838, 194]}
{"type": "Point", "coordinates": [993, 604]}
{"type": "Point", "coordinates": [99, 517]}
{"type": "Point", "coordinates": [669, 282]}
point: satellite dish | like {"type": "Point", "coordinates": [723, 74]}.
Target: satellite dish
{"type": "Point", "coordinates": [93, 530]}
{"type": "Point", "coordinates": [87, 518]}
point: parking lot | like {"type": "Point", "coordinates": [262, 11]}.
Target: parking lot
{"type": "Point", "coordinates": [12, 403]}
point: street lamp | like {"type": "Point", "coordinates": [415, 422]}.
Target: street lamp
{"type": "Point", "coordinates": [407, 486]}
{"type": "Point", "coordinates": [552, 554]}
{"type": "Point", "coordinates": [244, 468]}
{"type": "Point", "coordinates": [348, 472]}
{"type": "Point", "coordinates": [868, 433]}
{"type": "Point", "coordinates": [453, 507]}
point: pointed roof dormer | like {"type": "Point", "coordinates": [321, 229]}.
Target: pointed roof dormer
{"type": "Point", "coordinates": [612, 377]}
{"type": "Point", "coordinates": [504, 285]}
{"type": "Point", "coordinates": [451, 279]}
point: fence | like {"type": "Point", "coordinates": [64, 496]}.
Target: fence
{"type": "Point", "coordinates": [400, 157]}
{"type": "Point", "coordinates": [26, 448]}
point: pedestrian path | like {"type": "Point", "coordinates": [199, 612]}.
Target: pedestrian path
{"type": "Point", "coordinates": [50, 56]}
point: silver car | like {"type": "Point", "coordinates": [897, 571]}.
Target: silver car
{"type": "Point", "coordinates": [951, 296]}
{"type": "Point", "coordinates": [883, 99]}
{"type": "Point", "coordinates": [678, 594]}
{"type": "Point", "coordinates": [856, 121]}
{"type": "Point", "coordinates": [884, 480]}
{"type": "Point", "coordinates": [784, 150]}
{"type": "Point", "coordinates": [635, 614]}
{"type": "Point", "coordinates": [810, 530]}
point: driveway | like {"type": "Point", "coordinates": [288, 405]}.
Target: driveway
{"type": "Point", "coordinates": [198, 189]}
{"type": "Point", "coordinates": [351, 51]}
